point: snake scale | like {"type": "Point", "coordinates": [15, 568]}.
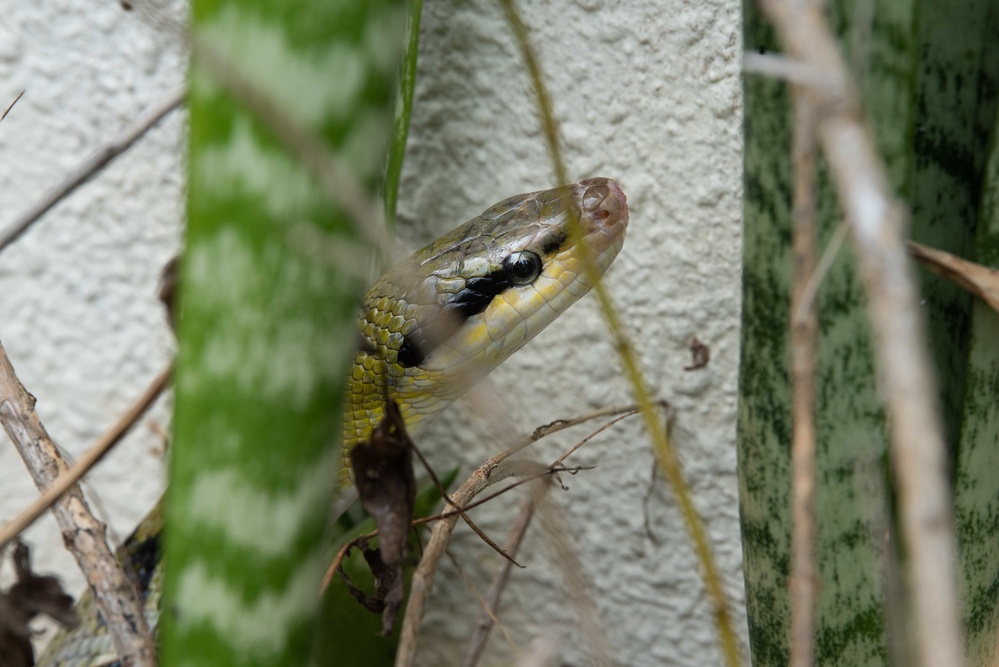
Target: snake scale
{"type": "Point", "coordinates": [431, 327]}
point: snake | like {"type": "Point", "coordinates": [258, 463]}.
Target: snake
{"type": "Point", "coordinates": [430, 328]}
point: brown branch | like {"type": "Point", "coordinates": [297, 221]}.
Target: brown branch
{"type": "Point", "coordinates": [487, 608]}
{"type": "Point", "coordinates": [906, 381]}
{"type": "Point", "coordinates": [491, 472]}
{"type": "Point", "coordinates": [461, 511]}
{"type": "Point", "coordinates": [11, 106]}
{"type": "Point", "coordinates": [518, 471]}
{"type": "Point", "coordinates": [92, 165]}
{"type": "Point", "coordinates": [93, 455]}
{"type": "Point", "coordinates": [477, 644]}
{"type": "Point", "coordinates": [562, 424]}
{"type": "Point", "coordinates": [982, 281]}
{"type": "Point", "coordinates": [804, 348]}
{"type": "Point", "coordinates": [494, 470]}
{"type": "Point", "coordinates": [576, 587]}
{"type": "Point", "coordinates": [83, 534]}
{"type": "Point", "coordinates": [423, 578]}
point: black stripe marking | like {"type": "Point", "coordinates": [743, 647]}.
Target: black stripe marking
{"type": "Point", "coordinates": [554, 243]}
{"type": "Point", "coordinates": [468, 302]}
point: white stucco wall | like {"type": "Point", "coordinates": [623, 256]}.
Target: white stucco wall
{"type": "Point", "coordinates": [79, 316]}
{"type": "Point", "coordinates": [648, 93]}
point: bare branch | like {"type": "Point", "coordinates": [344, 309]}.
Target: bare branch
{"type": "Point", "coordinates": [982, 281]}
{"type": "Point", "coordinates": [907, 385]}
{"type": "Point", "coordinates": [94, 454]}
{"type": "Point", "coordinates": [804, 352]}
{"type": "Point", "coordinates": [84, 535]}
{"type": "Point", "coordinates": [423, 578]}
{"type": "Point", "coordinates": [781, 67]}
{"type": "Point", "coordinates": [92, 165]}
{"type": "Point", "coordinates": [11, 106]}
{"type": "Point", "coordinates": [495, 469]}
{"type": "Point", "coordinates": [513, 541]}
{"type": "Point", "coordinates": [562, 424]}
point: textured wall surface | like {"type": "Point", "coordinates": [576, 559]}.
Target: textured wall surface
{"type": "Point", "coordinates": [79, 315]}
{"type": "Point", "coordinates": [647, 92]}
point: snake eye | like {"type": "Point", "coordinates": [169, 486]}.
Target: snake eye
{"type": "Point", "coordinates": [522, 268]}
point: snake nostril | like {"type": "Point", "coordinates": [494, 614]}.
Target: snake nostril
{"type": "Point", "coordinates": [602, 214]}
{"type": "Point", "coordinates": [594, 197]}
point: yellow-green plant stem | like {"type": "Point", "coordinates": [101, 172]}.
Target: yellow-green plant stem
{"type": "Point", "coordinates": [657, 429]}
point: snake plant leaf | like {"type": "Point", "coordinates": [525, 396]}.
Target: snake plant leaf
{"type": "Point", "coordinates": [927, 73]}
{"type": "Point", "coordinates": [268, 333]}
{"type": "Point", "coordinates": [977, 492]}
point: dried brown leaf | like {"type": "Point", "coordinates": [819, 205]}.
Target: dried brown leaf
{"type": "Point", "coordinates": [700, 355]}
{"type": "Point", "coordinates": [981, 281]}
{"type": "Point", "coordinates": [388, 595]}
{"type": "Point", "coordinates": [383, 473]}
{"type": "Point", "coordinates": [30, 596]}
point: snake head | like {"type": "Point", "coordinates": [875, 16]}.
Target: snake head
{"type": "Point", "coordinates": [461, 305]}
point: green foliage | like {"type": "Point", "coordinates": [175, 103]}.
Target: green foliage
{"type": "Point", "coordinates": [267, 333]}
{"type": "Point", "coordinates": [977, 501]}
{"type": "Point", "coordinates": [928, 75]}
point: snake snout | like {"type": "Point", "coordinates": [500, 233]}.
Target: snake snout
{"type": "Point", "coordinates": [606, 203]}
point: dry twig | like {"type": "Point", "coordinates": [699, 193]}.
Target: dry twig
{"type": "Point", "coordinates": [982, 281]}
{"type": "Point", "coordinates": [495, 469]}
{"type": "Point", "coordinates": [93, 455]}
{"type": "Point", "coordinates": [424, 576]}
{"type": "Point", "coordinates": [84, 535]}
{"type": "Point", "coordinates": [513, 541]}
{"type": "Point", "coordinates": [804, 343]}
{"type": "Point", "coordinates": [907, 385]}
{"type": "Point", "coordinates": [11, 106]}
{"type": "Point", "coordinates": [92, 165]}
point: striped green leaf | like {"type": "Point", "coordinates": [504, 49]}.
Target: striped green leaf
{"type": "Point", "coordinates": [927, 75]}
{"type": "Point", "coordinates": [267, 332]}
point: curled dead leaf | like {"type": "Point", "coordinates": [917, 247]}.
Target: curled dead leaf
{"type": "Point", "coordinates": [981, 281]}
{"type": "Point", "coordinates": [383, 474]}
{"type": "Point", "coordinates": [30, 596]}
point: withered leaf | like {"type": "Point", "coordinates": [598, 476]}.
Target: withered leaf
{"type": "Point", "coordinates": [29, 596]}
{"type": "Point", "coordinates": [383, 473]}
{"type": "Point", "coordinates": [388, 595]}
{"type": "Point", "coordinates": [700, 353]}
{"type": "Point", "coordinates": [980, 280]}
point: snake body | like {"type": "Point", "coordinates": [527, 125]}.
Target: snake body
{"type": "Point", "coordinates": [431, 327]}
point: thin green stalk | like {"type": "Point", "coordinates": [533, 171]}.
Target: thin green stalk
{"type": "Point", "coordinates": [404, 110]}
{"type": "Point", "coordinates": [657, 431]}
